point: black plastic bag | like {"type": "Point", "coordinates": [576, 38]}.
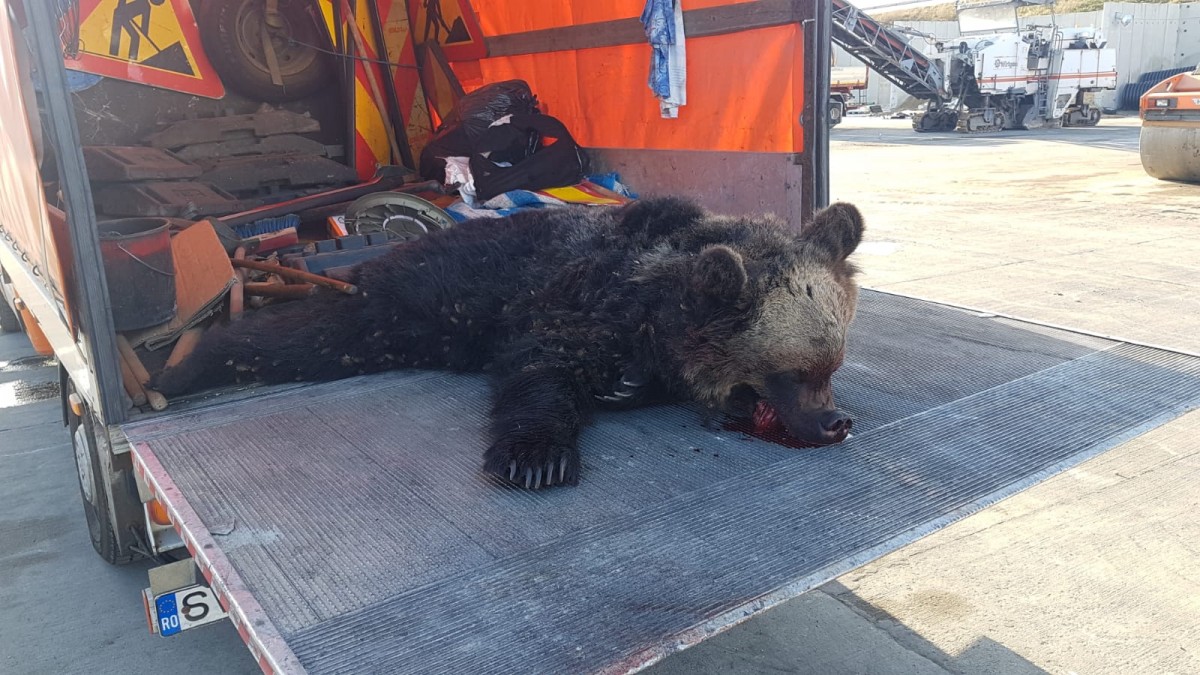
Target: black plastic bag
{"type": "Point", "coordinates": [559, 162]}
{"type": "Point", "coordinates": [471, 118]}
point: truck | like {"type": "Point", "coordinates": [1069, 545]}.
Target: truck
{"type": "Point", "coordinates": [999, 74]}
{"type": "Point", "coordinates": [844, 80]}
{"type": "Point", "coordinates": [346, 526]}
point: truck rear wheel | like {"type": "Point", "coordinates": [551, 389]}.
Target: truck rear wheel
{"type": "Point", "coordinates": [837, 110]}
{"type": "Point", "coordinates": [110, 501]}
{"type": "Point", "coordinates": [9, 323]}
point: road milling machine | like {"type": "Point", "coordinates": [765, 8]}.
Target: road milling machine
{"type": "Point", "coordinates": [997, 75]}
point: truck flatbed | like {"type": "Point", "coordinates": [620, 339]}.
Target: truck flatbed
{"type": "Point", "coordinates": [375, 544]}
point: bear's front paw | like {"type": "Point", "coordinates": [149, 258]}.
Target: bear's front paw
{"type": "Point", "coordinates": [532, 465]}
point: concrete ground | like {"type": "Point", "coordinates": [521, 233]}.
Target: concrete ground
{"type": "Point", "coordinates": [1061, 226]}
{"type": "Point", "coordinates": [1094, 571]}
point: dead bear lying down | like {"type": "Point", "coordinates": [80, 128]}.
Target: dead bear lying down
{"type": "Point", "coordinates": [574, 308]}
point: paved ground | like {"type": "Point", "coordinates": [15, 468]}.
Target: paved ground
{"type": "Point", "coordinates": [1061, 226]}
{"type": "Point", "coordinates": [1094, 571]}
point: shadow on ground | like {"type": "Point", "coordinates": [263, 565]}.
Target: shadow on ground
{"type": "Point", "coordinates": [831, 631]}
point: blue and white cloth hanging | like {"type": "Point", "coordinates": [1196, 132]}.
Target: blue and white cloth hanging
{"type": "Point", "coordinates": [663, 21]}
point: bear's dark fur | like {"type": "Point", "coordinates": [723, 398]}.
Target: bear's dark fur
{"type": "Point", "coordinates": [574, 308]}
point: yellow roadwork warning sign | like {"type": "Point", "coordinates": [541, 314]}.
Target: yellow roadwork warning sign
{"type": "Point", "coordinates": [451, 24]}
{"type": "Point", "coordinates": [153, 42]}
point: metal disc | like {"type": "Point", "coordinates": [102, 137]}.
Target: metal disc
{"type": "Point", "coordinates": [403, 216]}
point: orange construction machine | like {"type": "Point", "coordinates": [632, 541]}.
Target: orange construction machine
{"type": "Point", "coordinates": [1171, 128]}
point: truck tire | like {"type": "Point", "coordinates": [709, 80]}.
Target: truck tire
{"type": "Point", "coordinates": [232, 35]}
{"type": "Point", "coordinates": [109, 497]}
{"type": "Point", "coordinates": [837, 110]}
{"type": "Point", "coordinates": [9, 322]}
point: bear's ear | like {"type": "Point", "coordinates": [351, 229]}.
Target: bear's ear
{"type": "Point", "coordinates": [718, 278]}
{"type": "Point", "coordinates": [834, 232]}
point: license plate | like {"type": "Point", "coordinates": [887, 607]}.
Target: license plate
{"type": "Point", "coordinates": [186, 608]}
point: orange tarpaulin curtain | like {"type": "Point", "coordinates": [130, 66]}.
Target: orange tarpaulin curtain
{"type": "Point", "coordinates": [744, 90]}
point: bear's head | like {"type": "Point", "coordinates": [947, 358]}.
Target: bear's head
{"type": "Point", "coordinates": [768, 311]}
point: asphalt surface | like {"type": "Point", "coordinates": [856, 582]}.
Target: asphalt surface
{"type": "Point", "coordinates": [1056, 225]}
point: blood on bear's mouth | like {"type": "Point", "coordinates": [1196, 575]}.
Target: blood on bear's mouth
{"type": "Point", "coordinates": [765, 420]}
{"type": "Point", "coordinates": [764, 424]}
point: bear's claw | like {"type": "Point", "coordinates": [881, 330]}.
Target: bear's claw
{"type": "Point", "coordinates": [537, 476]}
{"type": "Point", "coordinates": [533, 467]}
{"type": "Point", "coordinates": [627, 388]}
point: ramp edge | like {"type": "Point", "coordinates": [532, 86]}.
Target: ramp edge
{"type": "Point", "coordinates": [1035, 322]}
{"type": "Point", "coordinates": [254, 626]}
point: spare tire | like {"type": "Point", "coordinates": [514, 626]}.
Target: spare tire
{"type": "Point", "coordinates": [232, 32]}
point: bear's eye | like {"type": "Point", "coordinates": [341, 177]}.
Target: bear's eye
{"type": "Point", "coordinates": [808, 289]}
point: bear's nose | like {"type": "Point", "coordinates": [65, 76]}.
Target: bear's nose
{"type": "Point", "coordinates": [835, 426]}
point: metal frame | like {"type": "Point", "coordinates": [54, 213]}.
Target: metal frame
{"type": "Point", "coordinates": [818, 50]}
{"type": "Point", "coordinates": [96, 373]}
{"type": "Point", "coordinates": [886, 51]}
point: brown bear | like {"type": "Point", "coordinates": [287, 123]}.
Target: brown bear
{"type": "Point", "coordinates": [574, 308]}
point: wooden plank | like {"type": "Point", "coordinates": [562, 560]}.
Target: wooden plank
{"type": "Point", "coordinates": [697, 23]}
{"type": "Point", "coordinates": [132, 386]}
{"type": "Point", "coordinates": [584, 36]}
{"type": "Point", "coordinates": [237, 292]}
{"type": "Point", "coordinates": [743, 17]}
{"type": "Point", "coordinates": [133, 364]}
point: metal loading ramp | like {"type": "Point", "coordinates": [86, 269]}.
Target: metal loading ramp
{"type": "Point", "coordinates": [376, 544]}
